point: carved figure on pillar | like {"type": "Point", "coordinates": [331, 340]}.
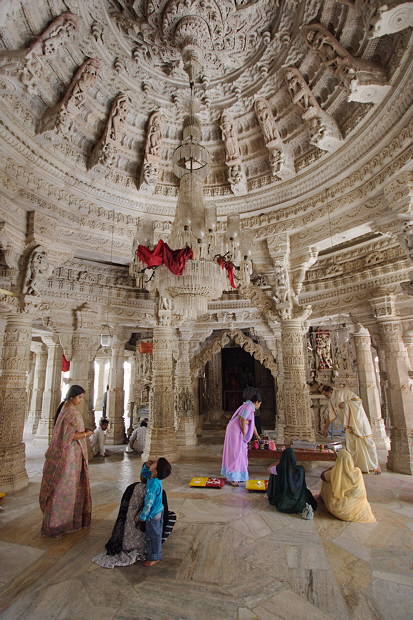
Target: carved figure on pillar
{"type": "Point", "coordinates": [323, 349]}
{"type": "Point", "coordinates": [364, 80]}
{"type": "Point", "coordinates": [37, 272]}
{"type": "Point", "coordinates": [61, 117]}
{"type": "Point", "coordinates": [281, 155]}
{"type": "Point", "coordinates": [152, 157]}
{"type": "Point", "coordinates": [324, 131]}
{"type": "Point", "coordinates": [236, 174]}
{"type": "Point", "coordinates": [106, 148]}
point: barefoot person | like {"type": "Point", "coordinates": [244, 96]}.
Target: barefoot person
{"type": "Point", "coordinates": [65, 493]}
{"type": "Point", "coordinates": [239, 432]}
{"type": "Point", "coordinates": [347, 407]}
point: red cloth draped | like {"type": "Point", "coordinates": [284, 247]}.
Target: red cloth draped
{"type": "Point", "coordinates": [65, 364]}
{"type": "Point", "coordinates": [174, 260]}
{"type": "Point", "coordinates": [229, 266]}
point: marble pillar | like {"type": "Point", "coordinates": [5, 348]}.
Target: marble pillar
{"type": "Point", "coordinates": [84, 348]}
{"type": "Point", "coordinates": [51, 394]}
{"type": "Point", "coordinates": [400, 458]}
{"type": "Point", "coordinates": [368, 388]}
{"type": "Point", "coordinates": [132, 402]}
{"type": "Point", "coordinates": [13, 402]}
{"type": "Point", "coordinates": [183, 398]}
{"type": "Point", "coordinates": [102, 382]}
{"type": "Point", "coordinates": [116, 395]}
{"type": "Point", "coordinates": [295, 396]}
{"type": "Point", "coordinates": [39, 377]}
{"type": "Point", "coordinates": [280, 413]}
{"type": "Point", "coordinates": [161, 437]}
{"type": "Point", "coordinates": [408, 341]}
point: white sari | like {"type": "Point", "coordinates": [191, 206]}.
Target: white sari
{"type": "Point", "coordinates": [359, 436]}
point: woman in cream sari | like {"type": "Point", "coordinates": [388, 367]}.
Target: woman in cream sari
{"type": "Point", "coordinates": [347, 407]}
{"type": "Point", "coordinates": [343, 491]}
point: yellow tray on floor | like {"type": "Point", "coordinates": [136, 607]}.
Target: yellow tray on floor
{"type": "Point", "coordinates": [256, 485]}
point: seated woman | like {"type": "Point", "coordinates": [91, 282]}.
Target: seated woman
{"type": "Point", "coordinates": [343, 491]}
{"type": "Point", "coordinates": [128, 544]}
{"type": "Point", "coordinates": [287, 489]}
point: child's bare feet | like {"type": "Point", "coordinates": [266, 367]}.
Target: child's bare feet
{"type": "Point", "coordinates": [151, 562]}
{"type": "Point", "coordinates": [377, 471]}
{"type": "Point", "coordinates": [233, 483]}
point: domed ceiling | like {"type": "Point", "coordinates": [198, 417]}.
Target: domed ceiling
{"type": "Point", "coordinates": [97, 89]}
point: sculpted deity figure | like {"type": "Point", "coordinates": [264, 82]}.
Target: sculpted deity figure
{"type": "Point", "coordinates": [105, 150]}
{"type": "Point", "coordinates": [365, 80]}
{"type": "Point", "coordinates": [63, 114]}
{"type": "Point", "coordinates": [25, 62]}
{"type": "Point", "coordinates": [151, 162]}
{"type": "Point", "coordinates": [324, 131]}
{"type": "Point", "coordinates": [323, 349]}
{"type": "Point", "coordinates": [117, 118]}
{"type": "Point", "coordinates": [57, 33]}
{"type": "Point", "coordinates": [266, 120]}
{"type": "Point", "coordinates": [229, 136]}
{"type": "Point", "coordinates": [154, 139]}
{"type": "Point", "coordinates": [38, 269]}
{"type": "Point", "coordinates": [246, 270]}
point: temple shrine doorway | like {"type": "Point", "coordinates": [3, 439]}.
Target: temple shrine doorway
{"type": "Point", "coordinates": [226, 376]}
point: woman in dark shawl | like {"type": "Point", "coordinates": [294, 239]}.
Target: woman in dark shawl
{"type": "Point", "coordinates": [128, 544]}
{"type": "Point", "coordinates": [287, 490]}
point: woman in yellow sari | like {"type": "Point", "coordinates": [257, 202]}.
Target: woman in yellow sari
{"type": "Point", "coordinates": [343, 491]}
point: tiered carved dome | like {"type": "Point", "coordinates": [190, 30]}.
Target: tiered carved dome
{"type": "Point", "coordinates": [290, 92]}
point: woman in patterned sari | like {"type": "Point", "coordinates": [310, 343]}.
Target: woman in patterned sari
{"type": "Point", "coordinates": [65, 493]}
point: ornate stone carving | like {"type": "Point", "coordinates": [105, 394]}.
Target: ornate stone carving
{"type": "Point", "coordinates": [37, 271]}
{"type": "Point", "coordinates": [26, 63]}
{"type": "Point", "coordinates": [106, 148]}
{"type": "Point", "coordinates": [13, 401]}
{"type": "Point", "coordinates": [236, 174]}
{"type": "Point", "coordinates": [152, 158]}
{"type": "Point", "coordinates": [61, 117]}
{"type": "Point", "coordinates": [281, 155]}
{"type": "Point", "coordinates": [256, 350]}
{"type": "Point", "coordinates": [324, 131]}
{"type": "Point", "coordinates": [387, 20]}
{"type": "Point", "coordinates": [364, 80]}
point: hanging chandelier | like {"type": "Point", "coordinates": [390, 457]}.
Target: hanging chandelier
{"type": "Point", "coordinates": [194, 226]}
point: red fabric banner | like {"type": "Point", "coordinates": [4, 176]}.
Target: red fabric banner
{"type": "Point", "coordinates": [65, 364]}
{"type": "Point", "coordinates": [174, 260]}
{"type": "Point", "coordinates": [229, 266]}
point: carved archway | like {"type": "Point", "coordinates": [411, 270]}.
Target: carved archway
{"type": "Point", "coordinates": [256, 350]}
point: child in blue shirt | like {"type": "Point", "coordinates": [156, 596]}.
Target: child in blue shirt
{"type": "Point", "coordinates": [151, 516]}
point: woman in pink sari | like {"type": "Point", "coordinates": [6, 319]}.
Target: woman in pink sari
{"type": "Point", "coordinates": [65, 493]}
{"type": "Point", "coordinates": [240, 430]}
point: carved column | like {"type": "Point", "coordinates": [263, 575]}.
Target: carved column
{"type": "Point", "coordinates": [39, 376]}
{"type": "Point", "coordinates": [102, 382]}
{"type": "Point", "coordinates": [132, 402]}
{"type": "Point", "coordinates": [51, 393]}
{"type": "Point", "coordinates": [84, 347]}
{"type": "Point", "coordinates": [280, 417]}
{"type": "Point", "coordinates": [13, 402]}
{"type": "Point", "coordinates": [400, 392]}
{"type": "Point", "coordinates": [295, 396]}
{"type": "Point", "coordinates": [369, 393]}
{"type": "Point", "coordinates": [408, 340]}
{"type": "Point", "coordinates": [116, 395]}
{"type": "Point", "coordinates": [184, 407]}
{"type": "Point", "coordinates": [161, 438]}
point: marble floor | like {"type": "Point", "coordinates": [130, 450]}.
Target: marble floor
{"type": "Point", "coordinates": [231, 554]}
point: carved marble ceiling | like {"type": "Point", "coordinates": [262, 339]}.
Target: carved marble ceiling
{"type": "Point", "coordinates": [304, 84]}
